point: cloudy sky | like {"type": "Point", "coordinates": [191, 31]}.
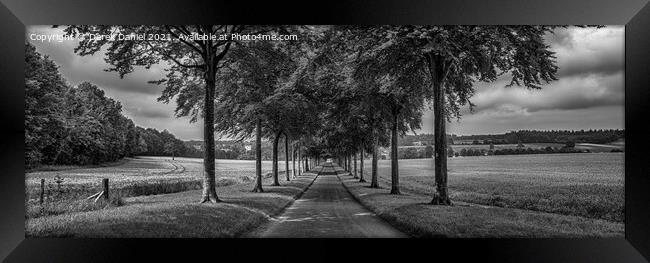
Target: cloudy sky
{"type": "Point", "coordinates": [589, 93]}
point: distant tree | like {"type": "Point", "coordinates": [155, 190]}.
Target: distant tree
{"type": "Point", "coordinates": [450, 151]}
{"type": "Point", "coordinates": [170, 148]}
{"type": "Point", "coordinates": [428, 151]}
{"type": "Point", "coordinates": [141, 146]}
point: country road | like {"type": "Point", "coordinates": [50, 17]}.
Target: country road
{"type": "Point", "coordinates": [326, 209]}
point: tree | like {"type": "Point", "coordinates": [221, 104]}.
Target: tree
{"type": "Point", "coordinates": [258, 156]}
{"type": "Point", "coordinates": [455, 57]}
{"type": "Point", "coordinates": [355, 165]}
{"type": "Point", "coordinates": [192, 63]}
{"type": "Point", "coordinates": [400, 88]}
{"type": "Point", "coordinates": [45, 93]}
{"type": "Point", "coordinates": [260, 87]}
{"type": "Point", "coordinates": [245, 103]}
{"type": "Point", "coordinates": [361, 157]}
{"type": "Point", "coordinates": [357, 115]}
{"type": "Point", "coordinates": [170, 148]}
{"type": "Point", "coordinates": [450, 151]}
{"type": "Point", "coordinates": [428, 151]}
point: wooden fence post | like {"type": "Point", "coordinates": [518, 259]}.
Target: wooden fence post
{"type": "Point", "coordinates": [105, 182]}
{"type": "Point", "coordinates": [42, 190]}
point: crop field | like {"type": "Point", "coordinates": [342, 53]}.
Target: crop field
{"type": "Point", "coordinates": [131, 177]}
{"type": "Point", "coordinates": [588, 184]}
{"type": "Point", "coordinates": [144, 169]}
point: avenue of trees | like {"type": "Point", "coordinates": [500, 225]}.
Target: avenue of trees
{"type": "Point", "coordinates": [338, 92]}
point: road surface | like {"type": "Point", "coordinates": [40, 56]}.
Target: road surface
{"type": "Point", "coordinates": [326, 209]}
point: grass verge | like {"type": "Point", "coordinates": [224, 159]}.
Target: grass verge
{"type": "Point", "coordinates": [177, 214]}
{"type": "Point", "coordinates": [584, 185]}
{"type": "Point", "coordinates": [411, 213]}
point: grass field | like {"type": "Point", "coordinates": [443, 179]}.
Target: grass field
{"type": "Point", "coordinates": [177, 214]}
{"type": "Point", "coordinates": [411, 213]}
{"type": "Point", "coordinates": [586, 185]}
{"type": "Point", "coordinates": [127, 178]}
{"type": "Point", "coordinates": [143, 169]}
{"type": "Point", "coordinates": [554, 195]}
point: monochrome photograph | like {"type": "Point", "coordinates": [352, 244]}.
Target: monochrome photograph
{"type": "Point", "coordinates": [324, 131]}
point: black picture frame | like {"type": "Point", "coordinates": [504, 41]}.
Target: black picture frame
{"type": "Point", "coordinates": [635, 14]}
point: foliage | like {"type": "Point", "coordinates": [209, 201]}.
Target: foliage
{"type": "Point", "coordinates": [79, 125]}
{"type": "Point", "coordinates": [45, 91]}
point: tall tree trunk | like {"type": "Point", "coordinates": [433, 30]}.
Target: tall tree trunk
{"type": "Point", "coordinates": [299, 161]}
{"type": "Point", "coordinates": [350, 164]}
{"type": "Point", "coordinates": [347, 163]}
{"type": "Point", "coordinates": [394, 169]}
{"type": "Point", "coordinates": [276, 140]}
{"type": "Point", "coordinates": [293, 160]}
{"type": "Point", "coordinates": [361, 179]}
{"type": "Point", "coordinates": [355, 166]}
{"type": "Point", "coordinates": [306, 164]}
{"type": "Point", "coordinates": [437, 71]}
{"type": "Point", "coordinates": [347, 166]}
{"type": "Point", "coordinates": [258, 157]}
{"type": "Point", "coordinates": [286, 155]}
{"type": "Point", "coordinates": [374, 182]}
{"type": "Point", "coordinates": [209, 181]}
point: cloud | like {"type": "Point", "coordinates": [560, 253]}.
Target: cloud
{"type": "Point", "coordinates": [582, 51]}
{"type": "Point", "coordinates": [589, 93]}
{"type": "Point", "coordinates": [578, 92]}
{"type": "Point", "coordinates": [148, 112]}
{"type": "Point", "coordinates": [92, 68]}
{"type": "Point", "coordinates": [138, 98]}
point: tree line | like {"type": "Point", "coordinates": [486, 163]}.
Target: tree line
{"type": "Point", "coordinates": [339, 92]}
{"type": "Point", "coordinates": [600, 136]}
{"type": "Point", "coordinates": [79, 125]}
{"type": "Point", "coordinates": [514, 151]}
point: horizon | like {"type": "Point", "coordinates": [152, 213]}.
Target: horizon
{"type": "Point", "coordinates": [431, 134]}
